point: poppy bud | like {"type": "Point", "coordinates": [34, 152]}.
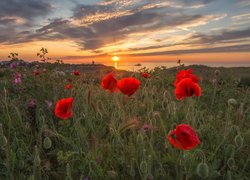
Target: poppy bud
{"type": "Point", "coordinates": [68, 177]}
{"type": "Point", "coordinates": [3, 139]}
{"type": "Point", "coordinates": [156, 115]}
{"type": "Point", "coordinates": [14, 145]}
{"type": "Point", "coordinates": [202, 170]}
{"type": "Point", "coordinates": [19, 153]}
{"type": "Point", "coordinates": [1, 129]}
{"type": "Point", "coordinates": [164, 104]}
{"type": "Point", "coordinates": [230, 150]}
{"type": "Point", "coordinates": [47, 143]}
{"type": "Point", "coordinates": [132, 170]}
{"type": "Point", "coordinates": [112, 175]}
{"type": "Point", "coordinates": [231, 163]}
{"type": "Point", "coordinates": [143, 167]}
{"type": "Point", "coordinates": [31, 177]}
{"type": "Point", "coordinates": [238, 140]}
{"type": "Point", "coordinates": [229, 175]}
{"type": "Point", "coordinates": [36, 165]}
{"type": "Point", "coordinates": [232, 102]}
{"type": "Point", "coordinates": [21, 164]}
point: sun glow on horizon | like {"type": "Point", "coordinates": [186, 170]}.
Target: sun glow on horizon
{"type": "Point", "coordinates": [115, 58]}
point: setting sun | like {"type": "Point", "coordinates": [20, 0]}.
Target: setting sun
{"type": "Point", "coordinates": [115, 58]}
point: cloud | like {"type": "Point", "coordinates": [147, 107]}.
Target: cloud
{"type": "Point", "coordinates": [27, 9]}
{"type": "Point", "coordinates": [235, 48]}
{"type": "Point", "coordinates": [98, 26]}
{"type": "Point", "coordinates": [223, 36]}
{"type": "Point", "coordinates": [98, 34]}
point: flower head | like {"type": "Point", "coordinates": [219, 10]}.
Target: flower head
{"type": "Point", "coordinates": [13, 65]}
{"type": "Point", "coordinates": [17, 78]}
{"type": "Point", "coordinates": [145, 74]}
{"type": "Point", "coordinates": [63, 108]}
{"type": "Point", "coordinates": [109, 82]}
{"type": "Point", "coordinates": [183, 137]}
{"type": "Point", "coordinates": [36, 72]}
{"type": "Point", "coordinates": [32, 103]}
{"type": "Point", "coordinates": [68, 86]}
{"type": "Point", "coordinates": [76, 73]}
{"type": "Point", "coordinates": [185, 74]}
{"type": "Point", "coordinates": [128, 86]}
{"type": "Point", "coordinates": [186, 87]}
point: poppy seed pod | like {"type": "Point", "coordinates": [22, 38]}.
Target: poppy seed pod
{"type": "Point", "coordinates": [238, 140]}
{"type": "Point", "coordinates": [231, 163]}
{"type": "Point", "coordinates": [47, 143]}
{"type": "Point", "coordinates": [202, 170]}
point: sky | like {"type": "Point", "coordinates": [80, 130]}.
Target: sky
{"type": "Point", "coordinates": [79, 31]}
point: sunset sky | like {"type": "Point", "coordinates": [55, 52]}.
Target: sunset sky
{"type": "Point", "coordinates": [79, 31]}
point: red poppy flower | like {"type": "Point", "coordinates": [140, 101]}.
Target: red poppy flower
{"type": "Point", "coordinates": [183, 137]}
{"type": "Point", "coordinates": [186, 87]}
{"type": "Point", "coordinates": [109, 82]}
{"type": "Point", "coordinates": [128, 86]}
{"type": "Point", "coordinates": [185, 74]}
{"type": "Point", "coordinates": [69, 86]}
{"type": "Point", "coordinates": [63, 108]}
{"type": "Point", "coordinates": [36, 72]}
{"type": "Point", "coordinates": [145, 75]}
{"type": "Point", "coordinates": [76, 73]}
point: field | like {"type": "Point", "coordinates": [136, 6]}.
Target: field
{"type": "Point", "coordinates": [113, 136]}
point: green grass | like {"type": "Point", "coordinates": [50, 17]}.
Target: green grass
{"type": "Point", "coordinates": [105, 138]}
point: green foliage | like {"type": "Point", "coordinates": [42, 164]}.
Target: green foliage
{"type": "Point", "coordinates": [105, 138]}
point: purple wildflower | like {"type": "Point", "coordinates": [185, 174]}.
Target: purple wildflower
{"type": "Point", "coordinates": [17, 78]}
{"type": "Point", "coordinates": [13, 65]}
{"type": "Point", "coordinates": [32, 103]}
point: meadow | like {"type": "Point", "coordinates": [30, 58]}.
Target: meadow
{"type": "Point", "coordinates": [113, 136]}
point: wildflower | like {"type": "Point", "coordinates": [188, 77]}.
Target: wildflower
{"type": "Point", "coordinates": [185, 74]}
{"type": "Point", "coordinates": [186, 87]}
{"type": "Point", "coordinates": [13, 65]}
{"type": "Point", "coordinates": [48, 104]}
{"type": "Point", "coordinates": [128, 86]}
{"type": "Point", "coordinates": [63, 108]}
{"type": "Point", "coordinates": [69, 86]}
{"type": "Point", "coordinates": [36, 72]}
{"type": "Point", "coordinates": [183, 137]}
{"type": "Point", "coordinates": [109, 82]}
{"type": "Point", "coordinates": [17, 78]}
{"type": "Point", "coordinates": [32, 103]}
{"type": "Point", "coordinates": [76, 73]}
{"type": "Point", "coordinates": [145, 75]}
{"type": "Point", "coordinates": [147, 127]}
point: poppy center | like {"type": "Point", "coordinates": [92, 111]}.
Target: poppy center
{"type": "Point", "coordinates": [189, 92]}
